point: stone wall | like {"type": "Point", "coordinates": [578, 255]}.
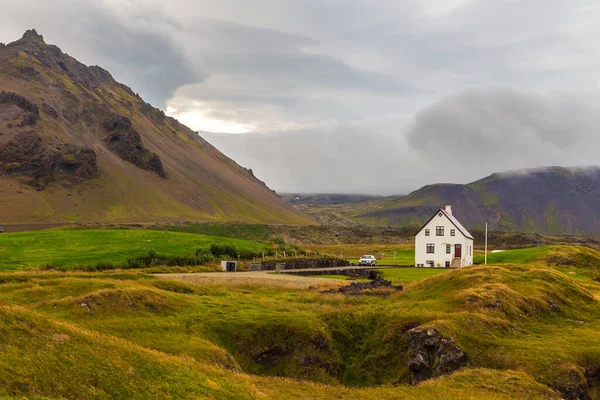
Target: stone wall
{"type": "Point", "coordinates": [305, 264]}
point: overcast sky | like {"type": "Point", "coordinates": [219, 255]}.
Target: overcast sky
{"type": "Point", "coordinates": [352, 95]}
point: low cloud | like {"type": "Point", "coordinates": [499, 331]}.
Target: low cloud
{"type": "Point", "coordinates": [459, 139]}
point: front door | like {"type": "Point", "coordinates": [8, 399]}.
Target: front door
{"type": "Point", "coordinates": [457, 251]}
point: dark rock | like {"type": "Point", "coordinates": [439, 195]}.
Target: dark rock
{"type": "Point", "coordinates": [32, 34]}
{"type": "Point", "coordinates": [157, 116]}
{"type": "Point", "coordinates": [30, 119]}
{"type": "Point", "coordinates": [101, 74]}
{"type": "Point", "coordinates": [357, 287]}
{"type": "Point", "coordinates": [377, 283]}
{"type": "Point", "coordinates": [554, 307]}
{"type": "Point", "coordinates": [26, 156]}
{"type": "Point", "coordinates": [71, 115]}
{"type": "Point", "coordinates": [431, 355]}
{"type": "Point", "coordinates": [576, 389]}
{"type": "Point", "coordinates": [126, 142]}
{"type": "Point", "coordinates": [19, 101]}
{"type": "Point", "coordinates": [2, 46]}
{"type": "Point", "coordinates": [28, 72]}
{"type": "Point", "coordinates": [32, 113]}
{"type": "Point", "coordinates": [49, 111]}
{"type": "Point", "coordinates": [273, 355]}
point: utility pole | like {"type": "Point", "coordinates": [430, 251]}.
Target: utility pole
{"type": "Point", "coordinates": [486, 234]}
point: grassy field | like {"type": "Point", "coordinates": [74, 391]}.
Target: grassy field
{"type": "Point", "coordinates": [529, 325]}
{"type": "Point", "coordinates": [410, 275]}
{"type": "Point", "coordinates": [131, 335]}
{"type": "Point", "coordinates": [28, 250]}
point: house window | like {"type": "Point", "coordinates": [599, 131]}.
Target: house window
{"type": "Point", "coordinates": [447, 264]}
{"type": "Point", "coordinates": [426, 232]}
{"type": "Point", "coordinates": [430, 248]}
{"type": "Point", "coordinates": [440, 215]}
{"type": "Point", "coordinates": [430, 264]}
{"type": "Point", "coordinates": [470, 250]}
{"type": "Point", "coordinates": [448, 248]}
{"type": "Point", "coordinates": [439, 231]}
{"type": "Point", "coordinates": [452, 232]}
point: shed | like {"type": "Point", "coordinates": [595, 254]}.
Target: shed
{"type": "Point", "coordinates": [229, 266]}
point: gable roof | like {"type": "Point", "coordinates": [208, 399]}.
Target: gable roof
{"type": "Point", "coordinates": [452, 219]}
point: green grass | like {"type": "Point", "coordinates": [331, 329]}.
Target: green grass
{"type": "Point", "coordinates": [28, 250]}
{"type": "Point", "coordinates": [403, 257]}
{"type": "Point", "coordinates": [108, 335]}
{"type": "Point", "coordinates": [259, 232]}
{"type": "Point", "coordinates": [338, 277]}
{"type": "Point", "coordinates": [529, 329]}
{"type": "Point", "coordinates": [518, 256]}
{"type": "Point", "coordinates": [409, 275]}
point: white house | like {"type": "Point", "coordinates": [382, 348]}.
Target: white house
{"type": "Point", "coordinates": [443, 242]}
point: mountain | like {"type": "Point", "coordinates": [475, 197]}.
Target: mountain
{"type": "Point", "coordinates": [551, 200]}
{"type": "Point", "coordinates": [76, 145]}
{"type": "Point", "coordinates": [325, 198]}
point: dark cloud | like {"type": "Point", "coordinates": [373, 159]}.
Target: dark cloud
{"type": "Point", "coordinates": [458, 139]}
{"type": "Point", "coordinates": [442, 90]}
{"type": "Point", "coordinates": [136, 42]}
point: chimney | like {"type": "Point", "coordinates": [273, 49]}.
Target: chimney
{"type": "Point", "coordinates": [449, 209]}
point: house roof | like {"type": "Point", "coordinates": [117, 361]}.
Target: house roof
{"type": "Point", "coordinates": [452, 219]}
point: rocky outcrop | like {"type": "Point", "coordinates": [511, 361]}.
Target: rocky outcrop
{"type": "Point", "coordinates": [32, 112]}
{"type": "Point", "coordinates": [575, 386]}
{"type": "Point", "coordinates": [126, 142]}
{"type": "Point", "coordinates": [358, 287]}
{"type": "Point", "coordinates": [27, 157]}
{"type": "Point", "coordinates": [432, 355]}
{"type": "Point", "coordinates": [49, 111]}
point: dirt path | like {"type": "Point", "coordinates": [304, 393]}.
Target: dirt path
{"type": "Point", "coordinates": [255, 278]}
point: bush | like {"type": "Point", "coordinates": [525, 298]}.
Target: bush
{"type": "Point", "coordinates": [201, 256]}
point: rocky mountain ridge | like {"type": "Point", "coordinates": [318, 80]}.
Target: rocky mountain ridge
{"type": "Point", "coordinates": [76, 145]}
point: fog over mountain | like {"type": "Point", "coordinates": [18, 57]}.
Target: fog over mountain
{"type": "Point", "coordinates": [352, 95]}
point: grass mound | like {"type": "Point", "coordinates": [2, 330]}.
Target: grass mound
{"type": "Point", "coordinates": [517, 291]}
{"type": "Point", "coordinates": [530, 331]}
{"type": "Point", "coordinates": [111, 300]}
{"type": "Point", "coordinates": [43, 358]}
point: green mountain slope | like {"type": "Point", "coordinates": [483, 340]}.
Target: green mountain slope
{"type": "Point", "coordinates": [75, 145]}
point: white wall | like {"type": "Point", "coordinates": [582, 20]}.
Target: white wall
{"type": "Point", "coordinates": [440, 256]}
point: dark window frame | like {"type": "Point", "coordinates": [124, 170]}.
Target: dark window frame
{"type": "Point", "coordinates": [452, 232]}
{"type": "Point", "coordinates": [439, 231]}
{"type": "Point", "coordinates": [448, 249]}
{"type": "Point", "coordinates": [430, 248]}
{"type": "Point", "coordinates": [426, 232]}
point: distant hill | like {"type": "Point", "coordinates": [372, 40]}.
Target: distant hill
{"type": "Point", "coordinates": [326, 198]}
{"type": "Point", "coordinates": [76, 145]}
{"type": "Point", "coordinates": [551, 200]}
